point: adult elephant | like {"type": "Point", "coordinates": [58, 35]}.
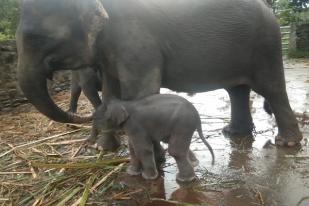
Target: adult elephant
{"type": "Point", "coordinates": [186, 46]}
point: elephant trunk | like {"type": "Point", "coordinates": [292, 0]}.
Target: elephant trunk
{"type": "Point", "coordinates": [33, 83]}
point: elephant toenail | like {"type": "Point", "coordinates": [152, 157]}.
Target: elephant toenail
{"type": "Point", "coordinates": [291, 144]}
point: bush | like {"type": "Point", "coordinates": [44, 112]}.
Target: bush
{"type": "Point", "coordinates": [298, 54]}
{"type": "Point", "coordinates": [9, 15]}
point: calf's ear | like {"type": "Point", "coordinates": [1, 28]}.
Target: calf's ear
{"type": "Point", "coordinates": [122, 116]}
{"type": "Point", "coordinates": [118, 114]}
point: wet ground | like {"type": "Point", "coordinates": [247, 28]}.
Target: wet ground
{"type": "Point", "coordinates": [247, 172]}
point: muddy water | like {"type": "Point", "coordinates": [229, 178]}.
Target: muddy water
{"type": "Point", "coordinates": [247, 171]}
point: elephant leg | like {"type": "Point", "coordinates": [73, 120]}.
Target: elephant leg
{"type": "Point", "coordinates": [241, 124]}
{"type": "Point", "coordinates": [92, 94]}
{"type": "Point", "coordinates": [144, 151]}
{"type": "Point", "coordinates": [159, 153]}
{"type": "Point", "coordinates": [178, 147]}
{"type": "Point", "coordinates": [135, 167]}
{"type": "Point", "coordinates": [269, 82]}
{"type": "Point", "coordinates": [109, 141]}
{"type": "Point", "coordinates": [288, 130]}
{"type": "Point", "coordinates": [93, 136]}
{"type": "Point", "coordinates": [75, 94]}
{"type": "Point", "coordinates": [89, 82]}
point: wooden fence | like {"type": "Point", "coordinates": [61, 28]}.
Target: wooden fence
{"type": "Point", "coordinates": [285, 36]}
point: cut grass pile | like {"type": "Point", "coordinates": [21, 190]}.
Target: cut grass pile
{"type": "Point", "coordinates": [46, 163]}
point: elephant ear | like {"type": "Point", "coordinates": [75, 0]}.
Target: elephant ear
{"type": "Point", "coordinates": [93, 16]}
{"type": "Point", "coordinates": [117, 114]}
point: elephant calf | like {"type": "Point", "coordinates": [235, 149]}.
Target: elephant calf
{"type": "Point", "coordinates": [161, 117]}
{"type": "Point", "coordinates": [89, 81]}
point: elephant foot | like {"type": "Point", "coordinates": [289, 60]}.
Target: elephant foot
{"type": "Point", "coordinates": [232, 132]}
{"type": "Point", "coordinates": [185, 178]}
{"type": "Point", "coordinates": [108, 143]}
{"type": "Point", "coordinates": [288, 141]}
{"type": "Point", "coordinates": [150, 175]}
{"type": "Point", "coordinates": [91, 140]}
{"type": "Point", "coordinates": [133, 171]}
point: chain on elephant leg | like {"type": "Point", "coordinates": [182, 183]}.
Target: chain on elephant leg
{"type": "Point", "coordinates": [231, 130]}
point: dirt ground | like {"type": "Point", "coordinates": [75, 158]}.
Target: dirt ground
{"type": "Point", "coordinates": [44, 163]}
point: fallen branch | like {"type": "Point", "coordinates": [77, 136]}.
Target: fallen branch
{"type": "Point", "coordinates": [38, 141]}
{"type": "Point", "coordinates": [88, 165]}
{"type": "Point", "coordinates": [78, 150]}
{"type": "Point", "coordinates": [122, 195]}
{"type": "Point", "coordinates": [79, 126]}
{"type": "Point", "coordinates": [116, 169]}
{"type": "Point", "coordinates": [14, 173]}
{"type": "Point", "coordinates": [67, 142]}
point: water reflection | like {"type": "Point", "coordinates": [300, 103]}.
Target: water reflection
{"type": "Point", "coordinates": [241, 152]}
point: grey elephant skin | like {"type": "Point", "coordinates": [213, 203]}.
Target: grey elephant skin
{"type": "Point", "coordinates": [89, 81]}
{"type": "Point", "coordinates": [143, 45]}
{"type": "Point", "coordinates": [148, 121]}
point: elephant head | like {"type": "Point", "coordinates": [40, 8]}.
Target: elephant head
{"type": "Point", "coordinates": [110, 114]}
{"type": "Point", "coordinates": [55, 35]}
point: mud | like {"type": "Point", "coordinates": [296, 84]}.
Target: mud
{"type": "Point", "coordinates": [247, 172]}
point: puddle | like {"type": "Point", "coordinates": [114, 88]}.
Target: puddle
{"type": "Point", "coordinates": [246, 172]}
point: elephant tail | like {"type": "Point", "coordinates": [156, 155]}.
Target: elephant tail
{"type": "Point", "coordinates": [267, 107]}
{"type": "Point", "coordinates": [200, 133]}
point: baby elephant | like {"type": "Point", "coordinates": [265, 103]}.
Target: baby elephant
{"type": "Point", "coordinates": [161, 117]}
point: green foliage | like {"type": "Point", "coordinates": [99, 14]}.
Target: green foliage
{"type": "Point", "coordinates": [9, 14]}
{"type": "Point", "coordinates": [289, 11]}
{"type": "Point", "coordinates": [285, 12]}
{"type": "Point", "coordinates": [298, 53]}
